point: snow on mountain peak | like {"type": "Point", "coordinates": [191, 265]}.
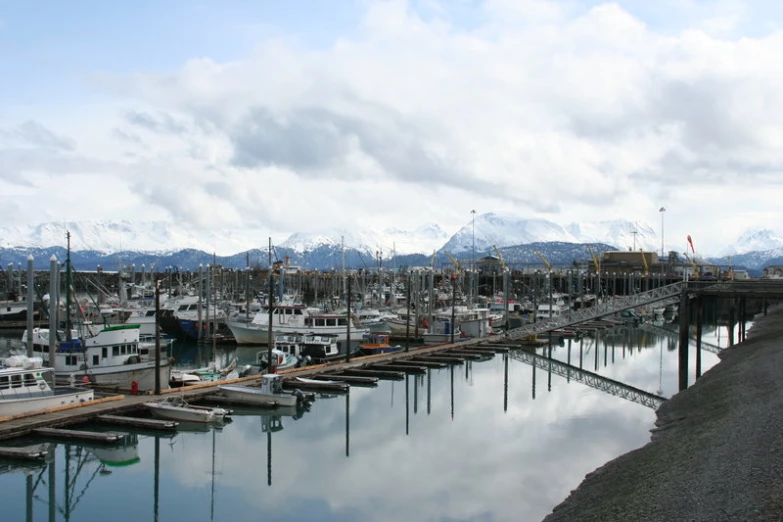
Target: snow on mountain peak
{"type": "Point", "coordinates": [753, 240]}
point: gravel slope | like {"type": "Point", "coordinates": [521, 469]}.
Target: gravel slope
{"type": "Point", "coordinates": [715, 455]}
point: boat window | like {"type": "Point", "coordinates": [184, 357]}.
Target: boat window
{"type": "Point", "coordinates": [150, 313]}
{"type": "Point", "coordinates": [193, 307]}
{"type": "Point", "coordinates": [4, 381]}
{"type": "Point", "coordinates": [320, 322]}
{"type": "Point", "coordinates": [71, 360]}
{"type": "Point", "coordinates": [105, 352]}
{"type": "Point", "coordinates": [297, 311]}
{"type": "Point", "coordinates": [342, 321]}
{"type": "Point", "coordinates": [182, 308]}
{"type": "Point", "coordinates": [115, 350]}
{"type": "Point", "coordinates": [16, 381]}
{"type": "Point", "coordinates": [29, 379]}
{"type": "Point", "coordinates": [288, 311]}
{"type": "Point", "coordinates": [96, 360]}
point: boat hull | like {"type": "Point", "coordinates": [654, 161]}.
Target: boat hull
{"type": "Point", "coordinates": [256, 397]}
{"type": "Point", "coordinates": [251, 333]}
{"type": "Point", "coordinates": [143, 374]}
{"type": "Point", "coordinates": [182, 413]}
{"type": "Point", "coordinates": [62, 397]}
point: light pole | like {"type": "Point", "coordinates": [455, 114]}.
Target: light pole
{"type": "Point", "coordinates": [662, 211]}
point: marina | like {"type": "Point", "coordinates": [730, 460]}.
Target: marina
{"type": "Point", "coordinates": [517, 410]}
{"type": "Point", "coordinates": [608, 348]}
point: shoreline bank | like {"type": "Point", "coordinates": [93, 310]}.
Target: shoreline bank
{"type": "Point", "coordinates": [716, 453]}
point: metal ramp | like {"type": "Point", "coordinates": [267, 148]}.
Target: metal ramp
{"type": "Point", "coordinates": [663, 295]}
{"type": "Point", "coordinates": [590, 379]}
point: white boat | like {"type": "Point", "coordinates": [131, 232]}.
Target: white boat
{"type": "Point", "coordinates": [282, 360]}
{"type": "Point", "coordinates": [550, 309]}
{"type": "Point", "coordinates": [110, 357]}
{"type": "Point", "coordinates": [292, 319]}
{"type": "Point", "coordinates": [308, 347]}
{"type": "Point", "coordinates": [176, 408]}
{"type": "Point", "coordinates": [24, 388]}
{"type": "Point", "coordinates": [268, 393]}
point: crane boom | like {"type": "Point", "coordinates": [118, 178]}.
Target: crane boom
{"type": "Point", "coordinates": [693, 264]}
{"type": "Point", "coordinates": [596, 261]}
{"type": "Point", "coordinates": [644, 262]}
{"type": "Point", "coordinates": [547, 264]}
{"type": "Point", "coordinates": [456, 263]}
{"type": "Point", "coordinates": [500, 258]}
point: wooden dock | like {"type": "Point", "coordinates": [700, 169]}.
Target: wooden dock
{"type": "Point", "coordinates": [357, 371]}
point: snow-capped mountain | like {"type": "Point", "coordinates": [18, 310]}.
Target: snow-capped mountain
{"type": "Point", "coordinates": [114, 236]}
{"type": "Point", "coordinates": [504, 230]}
{"type": "Point", "coordinates": [389, 242]}
{"type": "Point", "coordinates": [173, 244]}
{"type": "Point", "coordinates": [756, 240]}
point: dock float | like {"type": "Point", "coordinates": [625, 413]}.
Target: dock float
{"type": "Point", "coordinates": [470, 355]}
{"type": "Point", "coordinates": [83, 436]}
{"type": "Point", "coordinates": [425, 364]}
{"type": "Point", "coordinates": [137, 422]}
{"type": "Point", "coordinates": [25, 453]}
{"type": "Point", "coordinates": [393, 366]}
{"type": "Point", "coordinates": [439, 358]}
{"type": "Point", "coordinates": [252, 401]}
{"type": "Point", "coordinates": [353, 380]}
{"type": "Point", "coordinates": [381, 374]}
{"type": "Point", "coordinates": [316, 386]}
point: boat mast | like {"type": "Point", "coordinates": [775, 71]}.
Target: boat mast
{"type": "Point", "coordinates": [68, 286]}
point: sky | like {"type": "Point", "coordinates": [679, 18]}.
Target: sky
{"type": "Point", "coordinates": [280, 117]}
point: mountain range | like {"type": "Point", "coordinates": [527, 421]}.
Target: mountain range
{"type": "Point", "coordinates": [111, 243]}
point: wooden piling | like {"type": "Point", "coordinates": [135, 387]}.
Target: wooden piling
{"type": "Point", "coordinates": [699, 321]}
{"type": "Point", "coordinates": [684, 337]}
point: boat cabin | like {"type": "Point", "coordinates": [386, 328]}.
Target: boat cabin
{"type": "Point", "coordinates": [23, 383]}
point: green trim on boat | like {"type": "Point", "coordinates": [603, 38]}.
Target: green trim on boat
{"type": "Point", "coordinates": [121, 327]}
{"type": "Point", "coordinates": [121, 464]}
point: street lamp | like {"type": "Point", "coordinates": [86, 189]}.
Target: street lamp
{"type": "Point", "coordinates": [662, 211]}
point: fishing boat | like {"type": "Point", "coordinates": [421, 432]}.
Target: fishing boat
{"type": "Point", "coordinates": [176, 408]}
{"type": "Point", "coordinates": [269, 393]}
{"type": "Point", "coordinates": [281, 360]}
{"type": "Point", "coordinates": [185, 377]}
{"type": "Point", "coordinates": [292, 318]}
{"type": "Point", "coordinates": [374, 343]}
{"type": "Point", "coordinates": [24, 387]}
{"type": "Point", "coordinates": [308, 347]}
{"type": "Point", "coordinates": [110, 357]}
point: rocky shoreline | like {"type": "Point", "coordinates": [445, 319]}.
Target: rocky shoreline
{"type": "Point", "coordinates": [716, 453]}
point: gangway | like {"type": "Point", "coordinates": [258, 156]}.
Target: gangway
{"type": "Point", "coordinates": [664, 295]}
{"type": "Point", "coordinates": [590, 379]}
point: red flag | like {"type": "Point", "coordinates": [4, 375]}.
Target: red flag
{"type": "Point", "coordinates": [690, 242]}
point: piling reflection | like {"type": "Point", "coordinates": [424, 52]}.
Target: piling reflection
{"type": "Point", "coordinates": [336, 460]}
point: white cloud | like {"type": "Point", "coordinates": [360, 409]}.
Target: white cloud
{"type": "Point", "coordinates": [540, 109]}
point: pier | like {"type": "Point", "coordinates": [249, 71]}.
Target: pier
{"type": "Point", "coordinates": [395, 365]}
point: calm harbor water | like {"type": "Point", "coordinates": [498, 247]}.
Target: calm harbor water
{"type": "Point", "coordinates": [460, 443]}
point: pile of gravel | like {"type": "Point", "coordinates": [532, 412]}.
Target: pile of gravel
{"type": "Point", "coordinates": [716, 453]}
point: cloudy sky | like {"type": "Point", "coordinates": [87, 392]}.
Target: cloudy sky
{"type": "Point", "coordinates": [301, 116]}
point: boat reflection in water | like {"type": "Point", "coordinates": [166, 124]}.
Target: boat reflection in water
{"type": "Point", "coordinates": [529, 423]}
